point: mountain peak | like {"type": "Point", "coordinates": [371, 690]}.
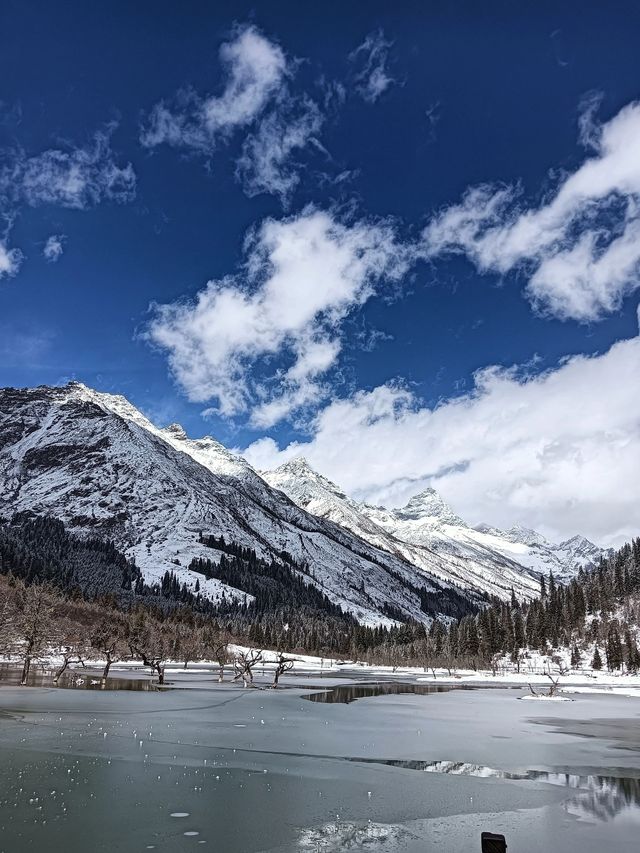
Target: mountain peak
{"type": "Point", "coordinates": [176, 431]}
{"type": "Point", "coordinates": [429, 505]}
{"type": "Point", "coordinates": [526, 535]}
{"type": "Point", "coordinates": [297, 465]}
{"type": "Point", "coordinates": [296, 476]}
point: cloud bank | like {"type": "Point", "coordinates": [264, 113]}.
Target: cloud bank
{"type": "Point", "coordinates": [557, 451]}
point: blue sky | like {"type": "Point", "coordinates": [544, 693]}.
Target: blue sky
{"type": "Point", "coordinates": [318, 166]}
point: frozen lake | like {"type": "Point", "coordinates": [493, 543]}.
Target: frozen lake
{"type": "Point", "coordinates": [240, 771]}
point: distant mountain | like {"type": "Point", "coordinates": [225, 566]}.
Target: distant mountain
{"type": "Point", "coordinates": [532, 550]}
{"type": "Point", "coordinates": [96, 463]}
{"type": "Point", "coordinates": [430, 535]}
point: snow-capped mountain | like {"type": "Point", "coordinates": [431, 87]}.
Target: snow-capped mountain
{"type": "Point", "coordinates": [430, 535]}
{"type": "Point", "coordinates": [531, 549]}
{"type": "Point", "coordinates": [98, 464]}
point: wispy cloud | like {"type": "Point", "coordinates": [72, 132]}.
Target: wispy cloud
{"type": "Point", "coordinates": [267, 161]}
{"type": "Point", "coordinates": [54, 247]}
{"type": "Point", "coordinates": [71, 177]}
{"type": "Point", "coordinates": [257, 101]}
{"type": "Point", "coordinates": [370, 59]}
{"type": "Point", "coordinates": [255, 70]}
{"type": "Point", "coordinates": [517, 447]}
{"type": "Point", "coordinates": [579, 248]}
{"type": "Point", "coordinates": [264, 340]}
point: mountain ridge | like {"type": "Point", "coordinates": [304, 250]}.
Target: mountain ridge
{"type": "Point", "coordinates": [98, 464]}
{"type": "Point", "coordinates": [427, 531]}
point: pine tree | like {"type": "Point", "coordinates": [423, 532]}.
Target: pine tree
{"type": "Point", "coordinates": [596, 662]}
{"type": "Point", "coordinates": [613, 648]}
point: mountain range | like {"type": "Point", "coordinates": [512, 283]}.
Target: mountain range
{"type": "Point", "coordinates": [429, 534]}
{"type": "Point", "coordinates": [98, 464]}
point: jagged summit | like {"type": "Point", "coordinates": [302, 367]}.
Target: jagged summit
{"type": "Point", "coordinates": [297, 475]}
{"type": "Point", "coordinates": [176, 431]}
{"type": "Point", "coordinates": [298, 464]}
{"type": "Point", "coordinates": [519, 533]}
{"type": "Point", "coordinates": [428, 505]}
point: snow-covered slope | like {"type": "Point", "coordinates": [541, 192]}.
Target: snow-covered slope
{"type": "Point", "coordinates": [532, 550]}
{"type": "Point", "coordinates": [94, 461]}
{"type": "Point", "coordinates": [430, 535]}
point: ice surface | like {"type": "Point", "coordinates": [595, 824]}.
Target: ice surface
{"type": "Point", "coordinates": [63, 792]}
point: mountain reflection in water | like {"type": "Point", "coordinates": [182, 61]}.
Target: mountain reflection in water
{"type": "Point", "coordinates": [600, 797]}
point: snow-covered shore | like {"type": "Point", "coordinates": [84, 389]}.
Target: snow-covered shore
{"type": "Point", "coordinates": [538, 673]}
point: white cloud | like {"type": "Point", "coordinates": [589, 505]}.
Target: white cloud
{"type": "Point", "coordinates": [557, 451]}
{"type": "Point", "coordinates": [256, 69]}
{"type": "Point", "coordinates": [302, 277]}
{"type": "Point", "coordinates": [266, 164]}
{"type": "Point", "coordinates": [371, 57]}
{"type": "Point", "coordinates": [579, 247]}
{"type": "Point", "coordinates": [54, 247]}
{"type": "Point", "coordinates": [75, 178]}
{"type": "Point", "coordinates": [10, 260]}
{"type": "Point", "coordinates": [257, 99]}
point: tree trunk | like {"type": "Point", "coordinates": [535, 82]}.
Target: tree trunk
{"type": "Point", "coordinates": [25, 669]}
{"type": "Point", "coordinates": [276, 677]}
{"type": "Point", "coordinates": [220, 673]}
{"type": "Point", "coordinates": [107, 667]}
{"type": "Point", "coordinates": [60, 671]}
{"type": "Point", "coordinates": [160, 674]}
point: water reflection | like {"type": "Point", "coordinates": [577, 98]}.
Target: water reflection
{"type": "Point", "coordinates": [352, 692]}
{"type": "Point", "coordinates": [599, 797]}
{"type": "Point", "coordinates": [70, 680]}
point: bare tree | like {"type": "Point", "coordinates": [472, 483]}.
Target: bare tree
{"type": "Point", "coordinates": [283, 665]}
{"type": "Point", "coordinates": [151, 643]}
{"type": "Point", "coordinates": [221, 656]}
{"type": "Point", "coordinates": [73, 646]}
{"type": "Point", "coordinates": [243, 665]}
{"type": "Point", "coordinates": [189, 643]}
{"type": "Point", "coordinates": [551, 691]}
{"type": "Point", "coordinates": [108, 639]}
{"type": "Point", "coordinates": [35, 623]}
{"type": "Point", "coordinates": [217, 645]}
